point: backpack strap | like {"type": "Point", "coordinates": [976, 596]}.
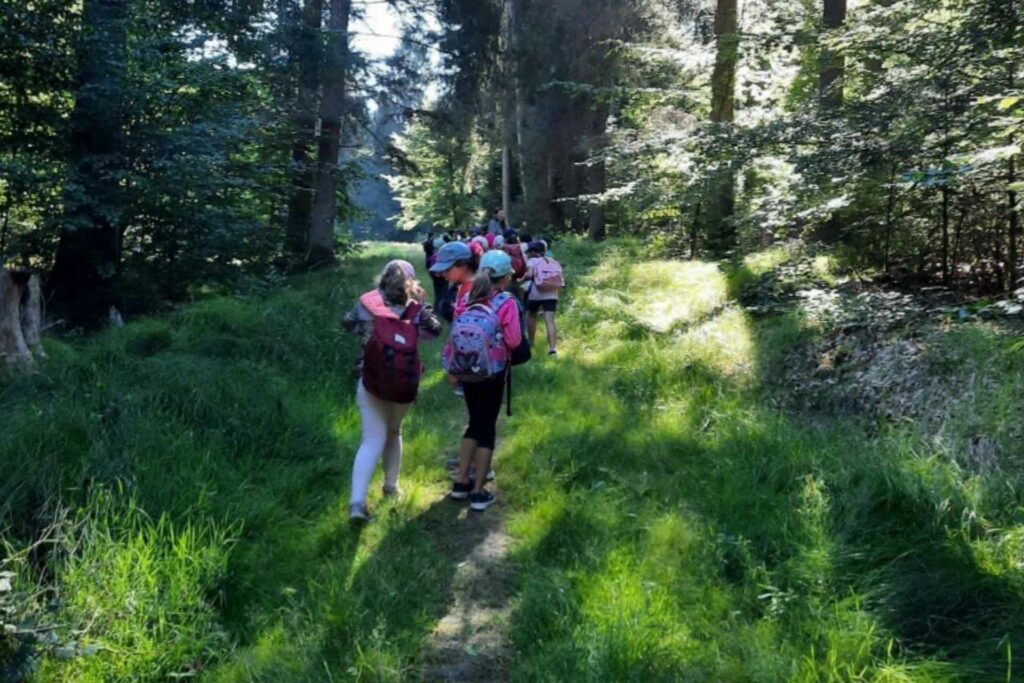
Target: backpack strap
{"type": "Point", "coordinates": [411, 311]}
{"type": "Point", "coordinates": [499, 300]}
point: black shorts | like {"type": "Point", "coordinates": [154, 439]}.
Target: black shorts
{"type": "Point", "coordinates": [546, 305]}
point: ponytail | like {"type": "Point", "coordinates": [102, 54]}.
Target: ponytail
{"type": "Point", "coordinates": [483, 286]}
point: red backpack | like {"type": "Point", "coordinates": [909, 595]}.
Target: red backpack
{"type": "Point", "coordinates": [515, 252]}
{"type": "Point", "coordinates": [391, 357]}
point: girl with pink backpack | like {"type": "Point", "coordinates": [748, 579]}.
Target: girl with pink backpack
{"type": "Point", "coordinates": [546, 281]}
{"type": "Point", "coordinates": [391, 320]}
{"type": "Point", "coordinates": [479, 354]}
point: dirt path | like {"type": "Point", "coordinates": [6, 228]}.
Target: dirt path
{"type": "Point", "coordinates": [471, 642]}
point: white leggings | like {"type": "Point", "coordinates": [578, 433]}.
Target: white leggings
{"type": "Point", "coordinates": [382, 437]}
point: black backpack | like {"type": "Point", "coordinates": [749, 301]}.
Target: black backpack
{"type": "Point", "coordinates": [521, 355]}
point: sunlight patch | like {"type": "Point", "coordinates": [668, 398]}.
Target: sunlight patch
{"type": "Point", "coordinates": [668, 293]}
{"type": "Point", "coordinates": [723, 344]}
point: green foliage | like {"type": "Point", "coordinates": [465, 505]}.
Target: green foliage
{"type": "Point", "coordinates": [441, 173]}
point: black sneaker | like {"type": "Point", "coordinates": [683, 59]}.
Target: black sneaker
{"type": "Point", "coordinates": [481, 501]}
{"type": "Point", "coordinates": [461, 491]}
{"type": "Point", "coordinates": [358, 514]}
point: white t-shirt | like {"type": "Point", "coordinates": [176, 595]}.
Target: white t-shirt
{"type": "Point", "coordinates": [535, 294]}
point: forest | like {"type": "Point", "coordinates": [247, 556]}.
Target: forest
{"type": "Point", "coordinates": [786, 441]}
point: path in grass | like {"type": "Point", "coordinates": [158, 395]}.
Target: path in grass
{"type": "Point", "coordinates": [470, 643]}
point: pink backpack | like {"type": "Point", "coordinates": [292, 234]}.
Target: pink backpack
{"type": "Point", "coordinates": [548, 276]}
{"type": "Point", "coordinates": [476, 349]}
{"type": "Point", "coordinates": [391, 357]}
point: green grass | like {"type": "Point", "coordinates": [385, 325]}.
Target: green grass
{"type": "Point", "coordinates": [668, 523]}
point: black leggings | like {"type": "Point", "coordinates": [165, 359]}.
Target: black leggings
{"type": "Point", "coordinates": [483, 399]}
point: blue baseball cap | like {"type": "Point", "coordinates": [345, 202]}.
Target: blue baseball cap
{"type": "Point", "coordinates": [498, 262]}
{"type": "Point", "coordinates": [450, 254]}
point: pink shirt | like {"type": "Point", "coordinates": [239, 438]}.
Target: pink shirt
{"type": "Point", "coordinates": [462, 298]}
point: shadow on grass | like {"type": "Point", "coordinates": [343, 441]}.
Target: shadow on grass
{"type": "Point", "coordinates": [812, 547]}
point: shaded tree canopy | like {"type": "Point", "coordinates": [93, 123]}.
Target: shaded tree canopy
{"type": "Point", "coordinates": [154, 150]}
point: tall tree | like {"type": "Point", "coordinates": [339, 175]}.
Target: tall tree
{"type": "Point", "coordinates": [833, 63]}
{"type": "Point", "coordinates": [305, 53]}
{"type": "Point", "coordinates": [721, 230]}
{"type": "Point", "coordinates": [332, 106]}
{"type": "Point", "coordinates": [83, 284]}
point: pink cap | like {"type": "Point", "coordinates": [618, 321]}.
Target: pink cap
{"type": "Point", "coordinates": [406, 267]}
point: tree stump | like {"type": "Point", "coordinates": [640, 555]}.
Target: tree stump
{"type": "Point", "coordinates": [21, 316]}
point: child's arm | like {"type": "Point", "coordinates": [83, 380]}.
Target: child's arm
{"type": "Point", "coordinates": [355, 320]}
{"type": "Point", "coordinates": [508, 316]}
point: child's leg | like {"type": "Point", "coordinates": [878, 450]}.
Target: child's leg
{"type": "Point", "coordinates": [374, 418]}
{"type": "Point", "coordinates": [492, 392]}
{"type": "Point", "coordinates": [393, 446]}
{"type": "Point", "coordinates": [482, 461]}
{"type": "Point", "coordinates": [466, 451]}
{"type": "Point", "coordinates": [549, 324]}
{"type": "Point", "coordinates": [531, 326]}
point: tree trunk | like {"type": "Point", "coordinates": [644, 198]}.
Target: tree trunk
{"type": "Point", "coordinates": [1011, 173]}
{"type": "Point", "coordinates": [727, 45]}
{"type": "Point", "coordinates": [20, 317]}
{"type": "Point", "coordinates": [1014, 220]}
{"type": "Point", "coordinates": [32, 316]}
{"type": "Point", "coordinates": [721, 231]}
{"type": "Point", "coordinates": [515, 20]}
{"type": "Point", "coordinates": [506, 182]}
{"type": "Point", "coordinates": [306, 52]}
{"type": "Point", "coordinates": [596, 173]}
{"type": "Point", "coordinates": [833, 63]}
{"type": "Point", "coordinates": [325, 204]}
{"type": "Point", "coordinates": [945, 236]}
{"type": "Point", "coordinates": [83, 283]}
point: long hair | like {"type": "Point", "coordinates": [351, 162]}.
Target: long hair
{"type": "Point", "coordinates": [396, 284]}
{"type": "Point", "coordinates": [483, 286]}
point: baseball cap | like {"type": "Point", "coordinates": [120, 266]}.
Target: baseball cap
{"type": "Point", "coordinates": [450, 254]}
{"type": "Point", "coordinates": [497, 262]}
{"type": "Point", "coordinates": [537, 247]}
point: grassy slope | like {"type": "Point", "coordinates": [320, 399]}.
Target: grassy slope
{"type": "Point", "coordinates": [669, 525]}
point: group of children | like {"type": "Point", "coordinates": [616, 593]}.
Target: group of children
{"type": "Point", "coordinates": [532, 267]}
{"type": "Point", "coordinates": [492, 295]}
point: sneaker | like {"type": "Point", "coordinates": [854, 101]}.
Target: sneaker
{"type": "Point", "coordinates": [391, 491]}
{"type": "Point", "coordinates": [358, 514]}
{"type": "Point", "coordinates": [552, 353]}
{"type": "Point", "coordinates": [461, 491]}
{"type": "Point", "coordinates": [459, 391]}
{"type": "Point", "coordinates": [481, 501]}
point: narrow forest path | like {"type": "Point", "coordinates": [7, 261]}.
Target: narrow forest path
{"type": "Point", "coordinates": [470, 642]}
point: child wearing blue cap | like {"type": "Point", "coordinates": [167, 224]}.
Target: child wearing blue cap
{"type": "Point", "coordinates": [484, 397]}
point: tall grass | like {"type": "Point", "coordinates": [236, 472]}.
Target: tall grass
{"type": "Point", "coordinates": [669, 523]}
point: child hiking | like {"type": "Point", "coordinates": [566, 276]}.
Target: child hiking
{"type": "Point", "coordinates": [546, 280]}
{"type": "Point", "coordinates": [479, 354]}
{"type": "Point", "coordinates": [456, 264]}
{"type": "Point", "coordinates": [391, 320]}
